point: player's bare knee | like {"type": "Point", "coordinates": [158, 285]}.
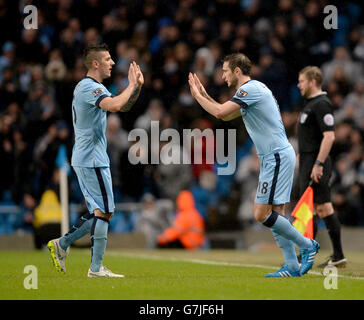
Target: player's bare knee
{"type": "Point", "coordinates": [279, 208]}
{"type": "Point", "coordinates": [107, 215]}
{"type": "Point", "coordinates": [262, 211]}
{"type": "Point", "coordinates": [259, 217]}
{"type": "Point", "coordinates": [98, 213]}
{"type": "Point", "coordinates": [110, 215]}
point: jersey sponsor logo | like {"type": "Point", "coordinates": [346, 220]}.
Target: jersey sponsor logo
{"type": "Point", "coordinates": [241, 93]}
{"type": "Point", "coordinates": [329, 119]}
{"type": "Point", "coordinates": [303, 117]}
{"type": "Point", "coordinates": [97, 92]}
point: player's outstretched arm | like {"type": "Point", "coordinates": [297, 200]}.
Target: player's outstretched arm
{"type": "Point", "coordinates": [226, 111]}
{"type": "Point", "coordinates": [124, 101]}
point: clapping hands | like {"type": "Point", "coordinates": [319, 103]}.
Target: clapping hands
{"type": "Point", "coordinates": [135, 75]}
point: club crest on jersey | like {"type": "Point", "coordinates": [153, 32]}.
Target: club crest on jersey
{"type": "Point", "coordinates": [242, 93]}
{"type": "Point", "coordinates": [97, 92]}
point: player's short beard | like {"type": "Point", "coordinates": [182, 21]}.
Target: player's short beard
{"type": "Point", "coordinates": [234, 82]}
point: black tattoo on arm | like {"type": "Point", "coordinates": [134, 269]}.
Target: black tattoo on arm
{"type": "Point", "coordinates": [133, 97]}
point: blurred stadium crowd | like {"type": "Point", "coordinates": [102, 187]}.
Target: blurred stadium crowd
{"type": "Point", "coordinates": [169, 38]}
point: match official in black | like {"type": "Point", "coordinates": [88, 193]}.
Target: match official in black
{"type": "Point", "coordinates": [315, 139]}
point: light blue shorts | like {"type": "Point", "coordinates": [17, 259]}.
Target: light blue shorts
{"type": "Point", "coordinates": [276, 177]}
{"type": "Point", "coordinates": [96, 187]}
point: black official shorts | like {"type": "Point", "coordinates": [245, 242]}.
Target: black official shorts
{"type": "Point", "coordinates": [321, 190]}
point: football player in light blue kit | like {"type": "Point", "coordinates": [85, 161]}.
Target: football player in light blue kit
{"type": "Point", "coordinates": [255, 103]}
{"type": "Point", "coordinates": [91, 101]}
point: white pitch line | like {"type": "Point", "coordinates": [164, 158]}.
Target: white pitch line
{"type": "Point", "coordinates": [219, 263]}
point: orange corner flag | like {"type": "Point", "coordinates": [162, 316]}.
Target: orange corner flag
{"type": "Point", "coordinates": [303, 212]}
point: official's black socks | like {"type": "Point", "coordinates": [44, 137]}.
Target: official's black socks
{"type": "Point", "coordinates": [333, 227]}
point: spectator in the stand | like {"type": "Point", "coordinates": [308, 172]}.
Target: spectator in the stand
{"type": "Point", "coordinates": [30, 48]}
{"type": "Point", "coordinates": [8, 56]}
{"type": "Point", "coordinates": [346, 210]}
{"type": "Point", "coordinates": [45, 152]}
{"type": "Point", "coordinates": [342, 139]}
{"type": "Point", "coordinates": [358, 50]}
{"type": "Point", "coordinates": [205, 193]}
{"type": "Point", "coordinates": [154, 218]}
{"type": "Point", "coordinates": [133, 172]}
{"type": "Point", "coordinates": [55, 70]}
{"type": "Point", "coordinates": [6, 153]}
{"type": "Point", "coordinates": [154, 112]}
{"type": "Point", "coordinates": [203, 147]}
{"type": "Point", "coordinates": [117, 143]}
{"type": "Point", "coordinates": [9, 89]}
{"type": "Point", "coordinates": [204, 61]}
{"type": "Point", "coordinates": [247, 175]}
{"type": "Point", "coordinates": [345, 174]}
{"type": "Point", "coordinates": [171, 174]}
{"type": "Point", "coordinates": [274, 75]}
{"type": "Point", "coordinates": [351, 69]}
{"type": "Point", "coordinates": [69, 45]}
{"type": "Point", "coordinates": [188, 229]}
{"type": "Point", "coordinates": [23, 166]}
{"type": "Point", "coordinates": [48, 214]}
{"type": "Point", "coordinates": [353, 105]}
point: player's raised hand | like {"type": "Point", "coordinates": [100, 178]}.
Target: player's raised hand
{"type": "Point", "coordinates": [193, 86]}
{"type": "Point", "coordinates": [139, 75]}
{"type": "Point", "coordinates": [132, 75]}
{"type": "Point", "coordinates": [199, 85]}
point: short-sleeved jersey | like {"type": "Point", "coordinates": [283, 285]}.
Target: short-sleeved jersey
{"type": "Point", "coordinates": [89, 123]}
{"type": "Point", "coordinates": [262, 117]}
{"type": "Point", "coordinates": [315, 118]}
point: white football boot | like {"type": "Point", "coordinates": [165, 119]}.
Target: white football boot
{"type": "Point", "coordinates": [103, 273]}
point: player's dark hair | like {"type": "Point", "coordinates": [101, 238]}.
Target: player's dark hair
{"type": "Point", "coordinates": [239, 60]}
{"type": "Point", "coordinates": [313, 73]}
{"type": "Point", "coordinates": [90, 53]}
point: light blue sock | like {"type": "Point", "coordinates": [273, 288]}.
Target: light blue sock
{"type": "Point", "coordinates": [98, 239]}
{"type": "Point", "coordinates": [289, 251]}
{"type": "Point", "coordinates": [82, 227]}
{"type": "Point", "coordinates": [284, 228]}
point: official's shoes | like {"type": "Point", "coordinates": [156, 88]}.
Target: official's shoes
{"type": "Point", "coordinates": [58, 255]}
{"type": "Point", "coordinates": [103, 273]}
{"type": "Point", "coordinates": [333, 261]}
{"type": "Point", "coordinates": [283, 272]}
{"type": "Point", "coordinates": [308, 257]}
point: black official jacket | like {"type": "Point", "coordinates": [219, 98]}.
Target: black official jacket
{"type": "Point", "coordinates": [315, 118]}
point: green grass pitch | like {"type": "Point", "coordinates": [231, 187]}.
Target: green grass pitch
{"type": "Point", "coordinates": [174, 275]}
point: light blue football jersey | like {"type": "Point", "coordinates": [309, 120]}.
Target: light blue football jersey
{"type": "Point", "coordinates": [262, 117]}
{"type": "Point", "coordinates": [89, 123]}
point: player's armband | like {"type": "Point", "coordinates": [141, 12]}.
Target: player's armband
{"type": "Point", "coordinates": [99, 99]}
{"type": "Point", "coordinates": [240, 102]}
